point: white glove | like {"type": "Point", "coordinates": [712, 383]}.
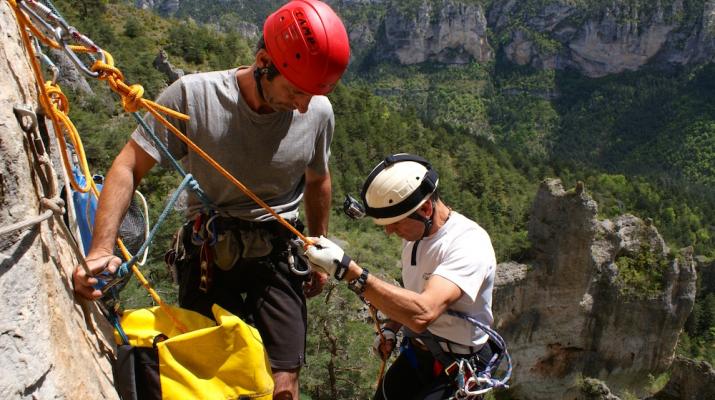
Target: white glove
{"type": "Point", "coordinates": [389, 343]}
{"type": "Point", "coordinates": [329, 257]}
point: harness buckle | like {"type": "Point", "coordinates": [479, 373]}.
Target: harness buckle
{"type": "Point", "coordinates": [451, 369]}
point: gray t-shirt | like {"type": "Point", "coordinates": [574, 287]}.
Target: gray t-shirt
{"type": "Point", "coordinates": [268, 153]}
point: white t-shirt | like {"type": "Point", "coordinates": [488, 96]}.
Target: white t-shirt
{"type": "Point", "coordinates": [461, 252]}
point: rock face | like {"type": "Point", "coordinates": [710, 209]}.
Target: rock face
{"type": "Point", "coordinates": [571, 312]}
{"type": "Point", "coordinates": [162, 64]}
{"type": "Point", "coordinates": [596, 38]}
{"type": "Point", "coordinates": [448, 32]}
{"type": "Point", "coordinates": [50, 347]}
{"type": "Point", "coordinates": [690, 380]}
{"type": "Point", "coordinates": [69, 77]}
{"type": "Point", "coordinates": [601, 40]}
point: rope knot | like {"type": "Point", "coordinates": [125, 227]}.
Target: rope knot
{"type": "Point", "coordinates": [58, 98]}
{"type": "Point", "coordinates": [56, 205]}
{"type": "Point", "coordinates": [132, 101]}
{"type": "Point", "coordinates": [107, 72]}
{"type": "Point", "coordinates": [123, 270]}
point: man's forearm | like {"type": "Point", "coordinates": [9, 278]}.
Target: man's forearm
{"type": "Point", "coordinates": [113, 203]}
{"type": "Point", "coordinates": [317, 205]}
{"type": "Point", "coordinates": [126, 172]}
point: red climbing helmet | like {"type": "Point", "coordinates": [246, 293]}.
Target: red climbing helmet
{"type": "Point", "coordinates": [308, 44]}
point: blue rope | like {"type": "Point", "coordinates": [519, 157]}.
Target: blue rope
{"type": "Point", "coordinates": [199, 192]}
{"type": "Point", "coordinates": [118, 327]}
{"type": "Point", "coordinates": [493, 364]}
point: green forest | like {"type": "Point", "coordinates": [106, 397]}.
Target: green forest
{"type": "Point", "coordinates": [642, 142]}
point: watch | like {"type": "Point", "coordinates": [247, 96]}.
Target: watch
{"type": "Point", "coordinates": [359, 284]}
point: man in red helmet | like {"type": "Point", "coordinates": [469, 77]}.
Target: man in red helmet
{"type": "Point", "coordinates": [270, 126]}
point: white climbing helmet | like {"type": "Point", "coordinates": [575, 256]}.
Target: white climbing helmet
{"type": "Point", "coordinates": [397, 187]}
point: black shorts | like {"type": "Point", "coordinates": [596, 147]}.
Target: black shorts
{"type": "Point", "coordinates": [262, 291]}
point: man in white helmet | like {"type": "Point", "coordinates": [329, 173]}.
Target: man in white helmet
{"type": "Point", "coordinates": [448, 267]}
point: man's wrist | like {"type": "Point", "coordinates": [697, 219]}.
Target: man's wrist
{"type": "Point", "coordinates": [99, 252]}
{"type": "Point", "coordinates": [359, 284]}
{"type": "Point", "coordinates": [353, 272]}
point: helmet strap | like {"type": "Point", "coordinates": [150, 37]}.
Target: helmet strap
{"type": "Point", "coordinates": [426, 221]}
{"type": "Point", "coordinates": [270, 71]}
{"type": "Point", "coordinates": [428, 226]}
{"type": "Point", "coordinates": [257, 74]}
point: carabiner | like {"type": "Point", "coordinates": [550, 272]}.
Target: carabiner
{"type": "Point", "coordinates": [295, 251]}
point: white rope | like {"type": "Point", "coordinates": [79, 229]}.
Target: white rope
{"type": "Point", "coordinates": [27, 223]}
{"type": "Point", "coordinates": [147, 226]}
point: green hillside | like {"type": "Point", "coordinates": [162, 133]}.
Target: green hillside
{"type": "Point", "coordinates": [643, 143]}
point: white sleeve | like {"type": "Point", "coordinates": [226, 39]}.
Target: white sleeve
{"type": "Point", "coordinates": [467, 263]}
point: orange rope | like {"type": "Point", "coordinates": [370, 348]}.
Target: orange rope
{"type": "Point", "coordinates": [57, 106]}
{"type": "Point", "coordinates": [132, 100]}
{"type": "Point", "coordinates": [373, 314]}
{"type": "Point", "coordinates": [55, 103]}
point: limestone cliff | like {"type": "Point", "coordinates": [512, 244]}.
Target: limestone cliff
{"type": "Point", "coordinates": [604, 39]}
{"type": "Point", "coordinates": [572, 311]}
{"type": "Point", "coordinates": [449, 32]}
{"type": "Point", "coordinates": [50, 346]}
{"type": "Point", "coordinates": [690, 380]}
{"type": "Point", "coordinates": [595, 38]}
{"type": "Point", "coordinates": [164, 7]}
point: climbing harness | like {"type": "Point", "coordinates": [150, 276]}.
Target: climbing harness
{"type": "Point", "coordinates": [473, 374]}
{"type": "Point", "coordinates": [223, 241]}
{"type": "Point", "coordinates": [471, 380]}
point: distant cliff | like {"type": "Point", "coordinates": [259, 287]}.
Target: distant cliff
{"type": "Point", "coordinates": [596, 38]}
{"type": "Point", "coordinates": [450, 33]}
{"type": "Point", "coordinates": [604, 299]}
{"type": "Point", "coordinates": [608, 38]}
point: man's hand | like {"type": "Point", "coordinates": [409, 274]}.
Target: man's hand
{"type": "Point", "coordinates": [327, 256]}
{"type": "Point", "coordinates": [84, 284]}
{"type": "Point", "coordinates": [314, 286]}
{"type": "Point", "coordinates": [383, 348]}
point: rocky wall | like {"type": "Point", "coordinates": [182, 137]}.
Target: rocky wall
{"type": "Point", "coordinates": [51, 347]}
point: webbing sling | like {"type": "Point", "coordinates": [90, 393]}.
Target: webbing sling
{"type": "Point", "coordinates": [432, 342]}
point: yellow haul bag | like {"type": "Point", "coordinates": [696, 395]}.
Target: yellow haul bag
{"type": "Point", "coordinates": [222, 359]}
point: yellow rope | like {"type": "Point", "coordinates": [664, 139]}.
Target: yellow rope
{"type": "Point", "coordinates": [56, 106]}
{"type": "Point", "coordinates": [132, 100]}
